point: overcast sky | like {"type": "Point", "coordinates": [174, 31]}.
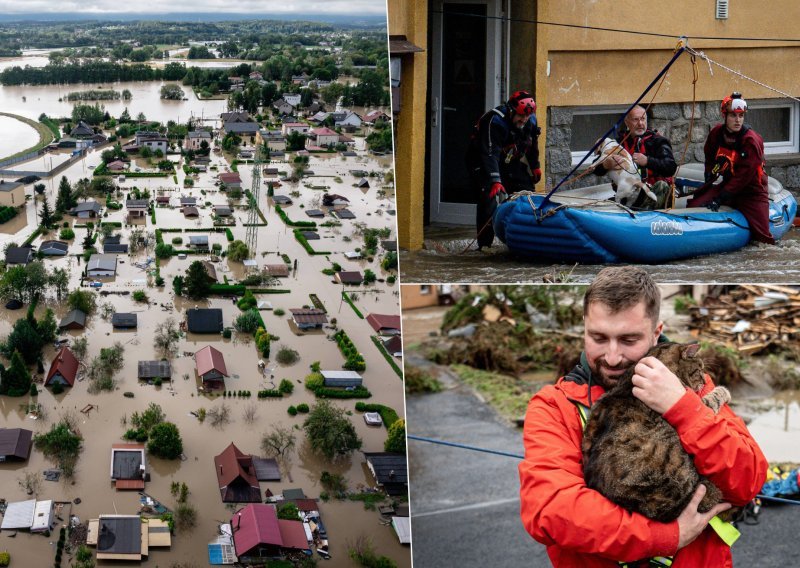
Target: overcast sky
{"type": "Point", "coordinates": [101, 7]}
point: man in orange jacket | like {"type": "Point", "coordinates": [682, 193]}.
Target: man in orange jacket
{"type": "Point", "coordinates": [578, 525]}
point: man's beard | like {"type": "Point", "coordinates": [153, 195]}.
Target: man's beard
{"type": "Point", "coordinates": [598, 368]}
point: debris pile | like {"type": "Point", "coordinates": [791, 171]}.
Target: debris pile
{"type": "Point", "coordinates": [750, 319]}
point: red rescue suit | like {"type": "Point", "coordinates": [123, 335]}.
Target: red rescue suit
{"type": "Point", "coordinates": [580, 527]}
{"type": "Point", "coordinates": [744, 182]}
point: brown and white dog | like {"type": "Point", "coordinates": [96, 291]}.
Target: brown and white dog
{"type": "Point", "coordinates": [626, 179]}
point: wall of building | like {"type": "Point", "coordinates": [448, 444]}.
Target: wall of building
{"type": "Point", "coordinates": [410, 18]}
{"type": "Point", "coordinates": [411, 296]}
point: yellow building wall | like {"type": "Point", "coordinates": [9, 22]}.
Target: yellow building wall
{"type": "Point", "coordinates": [13, 198]}
{"type": "Point", "coordinates": [411, 296]}
{"type": "Point", "coordinates": [590, 67]}
{"type": "Point", "coordinates": [410, 18]}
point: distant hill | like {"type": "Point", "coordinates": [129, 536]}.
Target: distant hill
{"type": "Point", "coordinates": [360, 19]}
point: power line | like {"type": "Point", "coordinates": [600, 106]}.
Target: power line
{"type": "Point", "coordinates": [613, 30]}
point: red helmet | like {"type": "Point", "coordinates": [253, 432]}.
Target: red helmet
{"type": "Point", "coordinates": [733, 103]}
{"type": "Point", "coordinates": [522, 103]}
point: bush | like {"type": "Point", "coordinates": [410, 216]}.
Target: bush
{"type": "Point", "coordinates": [177, 240]}
{"type": "Point", "coordinates": [287, 356]}
{"type": "Point", "coordinates": [66, 234]}
{"type": "Point", "coordinates": [286, 387]}
{"type": "Point", "coordinates": [302, 407]}
{"type": "Point", "coordinates": [139, 296]}
{"type": "Point", "coordinates": [34, 390]}
{"type": "Point", "coordinates": [165, 441]}
{"type": "Point", "coordinates": [292, 411]}
{"type": "Point", "coordinates": [279, 312]}
{"type": "Point", "coordinates": [58, 388]}
{"type": "Point", "coordinates": [5, 558]}
{"type": "Point", "coordinates": [227, 333]}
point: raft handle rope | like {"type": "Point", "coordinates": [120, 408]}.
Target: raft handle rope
{"type": "Point", "coordinates": [682, 47]}
{"type": "Point", "coordinates": [521, 457]}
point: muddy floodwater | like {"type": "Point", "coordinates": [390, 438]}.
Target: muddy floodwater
{"type": "Point", "coordinates": [445, 260]}
{"type": "Point", "coordinates": [106, 422]}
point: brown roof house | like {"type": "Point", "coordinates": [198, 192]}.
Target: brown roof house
{"type": "Point", "coordinates": [236, 475]}
{"type": "Point", "coordinates": [128, 466]}
{"type": "Point", "coordinates": [309, 318]}
{"type": "Point", "coordinates": [63, 369]}
{"type": "Point", "coordinates": [211, 367]}
{"type": "Point", "coordinates": [15, 444]}
{"type": "Point", "coordinates": [277, 270]}
{"type": "Point", "coordinates": [384, 324]}
{"type": "Point", "coordinates": [349, 277]}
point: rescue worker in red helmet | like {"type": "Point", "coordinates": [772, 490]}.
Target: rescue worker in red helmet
{"type": "Point", "coordinates": [735, 152]}
{"type": "Point", "coordinates": [652, 154]}
{"type": "Point", "coordinates": [503, 158]}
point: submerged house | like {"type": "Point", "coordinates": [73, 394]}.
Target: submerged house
{"type": "Point", "coordinates": [236, 475]}
{"type": "Point", "coordinates": [305, 318]}
{"type": "Point", "coordinates": [259, 534]}
{"type": "Point", "coordinates": [128, 466]}
{"type": "Point", "coordinates": [204, 320]}
{"type": "Point", "coordinates": [124, 321]}
{"type": "Point", "coordinates": [54, 248]}
{"type": "Point", "coordinates": [63, 369]}
{"type": "Point", "coordinates": [211, 367]}
{"type": "Point", "coordinates": [390, 471]}
{"type": "Point", "coordinates": [155, 370]}
{"type": "Point", "coordinates": [102, 266]}
{"type": "Point", "coordinates": [76, 319]}
{"type": "Point", "coordinates": [15, 444]}
{"type": "Point", "coordinates": [342, 379]}
{"type": "Point", "coordinates": [384, 324]}
{"type": "Point", "coordinates": [127, 537]}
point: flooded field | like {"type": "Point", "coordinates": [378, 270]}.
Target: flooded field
{"type": "Point", "coordinates": [105, 424]}
{"type": "Point", "coordinates": [146, 99]}
{"type": "Point", "coordinates": [26, 136]}
{"type": "Point", "coordinates": [445, 261]}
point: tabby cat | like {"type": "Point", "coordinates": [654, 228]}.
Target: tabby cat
{"type": "Point", "coordinates": [634, 457]}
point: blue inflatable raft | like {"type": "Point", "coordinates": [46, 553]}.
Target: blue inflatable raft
{"type": "Point", "coordinates": [585, 225]}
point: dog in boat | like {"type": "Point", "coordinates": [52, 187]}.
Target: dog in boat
{"type": "Point", "coordinates": [626, 179]}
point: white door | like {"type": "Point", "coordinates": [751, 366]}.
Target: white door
{"type": "Point", "coordinates": [465, 82]}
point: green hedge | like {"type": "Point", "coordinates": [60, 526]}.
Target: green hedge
{"type": "Point", "coordinates": [387, 355]}
{"type": "Point", "coordinates": [285, 218]}
{"type": "Point", "coordinates": [352, 305]}
{"type": "Point", "coordinates": [270, 393]}
{"type": "Point", "coordinates": [303, 241]}
{"type": "Point", "coordinates": [115, 224]}
{"type": "Point", "coordinates": [7, 213]}
{"type": "Point", "coordinates": [354, 359]}
{"type": "Point", "coordinates": [358, 392]}
{"type": "Point", "coordinates": [221, 289]}
{"type": "Point", "coordinates": [269, 290]}
{"type": "Point", "coordinates": [229, 234]}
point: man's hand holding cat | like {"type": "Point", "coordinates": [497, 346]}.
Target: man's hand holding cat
{"type": "Point", "coordinates": [655, 385]}
{"type": "Point", "coordinates": [691, 523]}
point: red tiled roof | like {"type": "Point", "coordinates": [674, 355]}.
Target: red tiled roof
{"type": "Point", "coordinates": [293, 534]}
{"type": "Point", "coordinates": [253, 525]}
{"type": "Point", "coordinates": [324, 132]}
{"type": "Point", "coordinates": [66, 364]}
{"type": "Point", "coordinates": [210, 359]}
{"type": "Point", "coordinates": [230, 177]}
{"type": "Point", "coordinates": [383, 321]}
{"type": "Point", "coordinates": [234, 467]}
{"type": "Point", "coordinates": [128, 484]}
{"type": "Point", "coordinates": [349, 277]}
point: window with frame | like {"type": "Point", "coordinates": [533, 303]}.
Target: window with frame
{"type": "Point", "coordinates": [589, 124]}
{"type": "Point", "coordinates": [778, 122]}
{"type": "Point", "coordinates": [424, 290]}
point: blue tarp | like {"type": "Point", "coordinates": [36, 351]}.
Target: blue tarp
{"type": "Point", "coordinates": [786, 486]}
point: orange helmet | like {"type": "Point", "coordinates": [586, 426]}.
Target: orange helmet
{"type": "Point", "coordinates": [733, 103]}
{"type": "Point", "coordinates": [522, 103]}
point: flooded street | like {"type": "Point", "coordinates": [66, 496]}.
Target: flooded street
{"type": "Point", "coordinates": [445, 261]}
{"type": "Point", "coordinates": [106, 423]}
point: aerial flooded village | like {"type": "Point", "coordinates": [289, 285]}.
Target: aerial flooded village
{"type": "Point", "coordinates": [200, 343]}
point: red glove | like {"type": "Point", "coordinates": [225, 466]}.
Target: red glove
{"type": "Point", "coordinates": [497, 188]}
{"type": "Point", "coordinates": [537, 176]}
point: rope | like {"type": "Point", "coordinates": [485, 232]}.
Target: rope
{"type": "Point", "coordinates": [710, 61]}
{"type": "Point", "coordinates": [520, 457]}
{"type": "Point", "coordinates": [678, 52]}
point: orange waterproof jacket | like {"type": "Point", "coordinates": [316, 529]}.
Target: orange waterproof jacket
{"type": "Point", "coordinates": [580, 527]}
